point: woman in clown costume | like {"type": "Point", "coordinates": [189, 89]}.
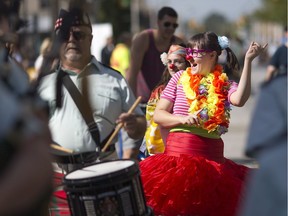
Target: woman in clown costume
{"type": "Point", "coordinates": [174, 60]}
{"type": "Point", "coordinates": [192, 177]}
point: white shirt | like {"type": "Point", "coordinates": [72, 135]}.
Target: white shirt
{"type": "Point", "coordinates": [109, 96]}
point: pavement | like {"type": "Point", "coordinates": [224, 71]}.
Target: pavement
{"type": "Point", "coordinates": [235, 139]}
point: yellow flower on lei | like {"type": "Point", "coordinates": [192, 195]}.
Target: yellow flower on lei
{"type": "Point", "coordinates": [208, 93]}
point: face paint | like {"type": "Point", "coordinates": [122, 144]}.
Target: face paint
{"type": "Point", "coordinates": [171, 66]}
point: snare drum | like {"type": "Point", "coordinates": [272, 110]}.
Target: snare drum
{"type": "Point", "coordinates": [106, 188]}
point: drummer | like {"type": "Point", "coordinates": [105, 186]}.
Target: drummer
{"type": "Point", "coordinates": [103, 89]}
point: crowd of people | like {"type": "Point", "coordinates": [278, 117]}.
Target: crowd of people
{"type": "Point", "coordinates": [62, 121]}
{"type": "Point", "coordinates": [25, 161]}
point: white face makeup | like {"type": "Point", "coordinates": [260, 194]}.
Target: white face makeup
{"type": "Point", "coordinates": [175, 63]}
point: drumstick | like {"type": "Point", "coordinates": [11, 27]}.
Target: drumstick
{"type": "Point", "coordinates": [120, 125]}
{"type": "Point", "coordinates": [60, 148]}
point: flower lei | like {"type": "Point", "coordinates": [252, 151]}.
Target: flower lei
{"type": "Point", "coordinates": [208, 93]}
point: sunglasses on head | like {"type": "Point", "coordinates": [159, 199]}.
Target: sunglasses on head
{"type": "Point", "coordinates": [168, 24]}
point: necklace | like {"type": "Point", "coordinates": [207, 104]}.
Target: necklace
{"type": "Point", "coordinates": [208, 94]}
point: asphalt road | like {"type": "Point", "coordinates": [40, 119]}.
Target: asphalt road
{"type": "Point", "coordinates": [235, 139]}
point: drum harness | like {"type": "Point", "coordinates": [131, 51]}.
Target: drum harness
{"type": "Point", "coordinates": [84, 107]}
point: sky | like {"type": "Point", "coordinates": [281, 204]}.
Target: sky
{"type": "Point", "coordinates": [200, 9]}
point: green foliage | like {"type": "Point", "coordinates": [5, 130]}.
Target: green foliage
{"type": "Point", "coordinates": [116, 12]}
{"type": "Point", "coordinates": [273, 11]}
{"type": "Point", "coordinates": [217, 23]}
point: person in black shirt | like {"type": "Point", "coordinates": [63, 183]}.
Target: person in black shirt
{"type": "Point", "coordinates": [278, 62]}
{"type": "Point", "coordinates": [107, 50]}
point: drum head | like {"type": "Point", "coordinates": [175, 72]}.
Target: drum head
{"type": "Point", "coordinates": [100, 169]}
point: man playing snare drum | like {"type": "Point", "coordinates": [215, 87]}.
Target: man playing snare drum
{"type": "Point", "coordinates": [103, 90]}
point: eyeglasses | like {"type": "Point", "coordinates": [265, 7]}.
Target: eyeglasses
{"type": "Point", "coordinates": [78, 35]}
{"type": "Point", "coordinates": [168, 24]}
{"type": "Point", "coordinates": [197, 53]}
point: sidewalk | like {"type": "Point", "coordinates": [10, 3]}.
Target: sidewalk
{"type": "Point", "coordinates": [236, 138]}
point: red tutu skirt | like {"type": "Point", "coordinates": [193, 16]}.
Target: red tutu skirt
{"type": "Point", "coordinates": [192, 178]}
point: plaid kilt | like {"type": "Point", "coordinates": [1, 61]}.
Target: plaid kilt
{"type": "Point", "coordinates": [58, 205]}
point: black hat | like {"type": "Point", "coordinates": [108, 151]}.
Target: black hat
{"type": "Point", "coordinates": [66, 19]}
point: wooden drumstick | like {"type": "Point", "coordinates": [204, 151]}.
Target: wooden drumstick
{"type": "Point", "coordinates": [60, 148]}
{"type": "Point", "coordinates": [120, 125]}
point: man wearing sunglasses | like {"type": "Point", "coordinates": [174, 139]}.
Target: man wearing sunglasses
{"type": "Point", "coordinates": [101, 90]}
{"type": "Point", "coordinates": [146, 67]}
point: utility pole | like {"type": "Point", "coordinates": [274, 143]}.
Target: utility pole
{"type": "Point", "coordinates": [54, 11]}
{"type": "Point", "coordinates": [135, 16]}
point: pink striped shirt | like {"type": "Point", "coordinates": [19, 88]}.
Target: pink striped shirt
{"type": "Point", "coordinates": [174, 92]}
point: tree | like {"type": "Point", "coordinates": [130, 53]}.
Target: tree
{"type": "Point", "coordinates": [116, 12]}
{"type": "Point", "coordinates": [217, 23]}
{"type": "Point", "coordinates": [273, 11]}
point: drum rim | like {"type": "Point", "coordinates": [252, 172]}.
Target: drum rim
{"type": "Point", "coordinates": [127, 172]}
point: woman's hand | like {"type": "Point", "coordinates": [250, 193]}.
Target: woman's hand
{"type": "Point", "coordinates": [191, 119]}
{"type": "Point", "coordinates": [254, 50]}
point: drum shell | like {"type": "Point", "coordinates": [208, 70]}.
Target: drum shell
{"type": "Point", "coordinates": [117, 193]}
